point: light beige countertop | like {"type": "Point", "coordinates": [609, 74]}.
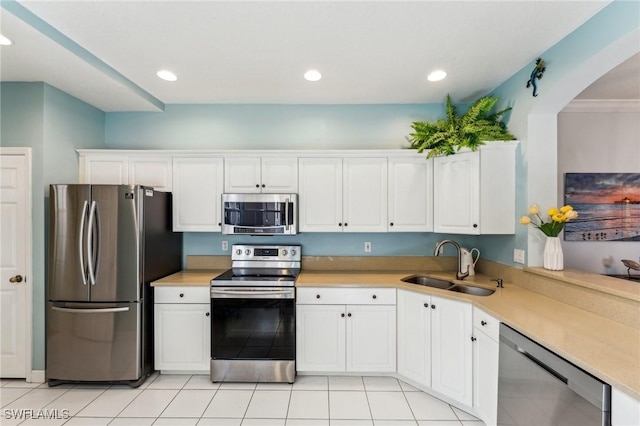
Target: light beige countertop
{"type": "Point", "coordinates": [189, 277]}
{"type": "Point", "coordinates": [603, 347]}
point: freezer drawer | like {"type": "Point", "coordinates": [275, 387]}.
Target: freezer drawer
{"type": "Point", "coordinates": [94, 342]}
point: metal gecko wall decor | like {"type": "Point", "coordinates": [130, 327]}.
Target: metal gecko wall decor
{"type": "Point", "coordinates": [536, 74]}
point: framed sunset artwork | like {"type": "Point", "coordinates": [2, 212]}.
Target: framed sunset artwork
{"type": "Point", "coordinates": [608, 206]}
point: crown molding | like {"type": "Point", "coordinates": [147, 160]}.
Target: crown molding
{"type": "Point", "coordinates": [603, 105]}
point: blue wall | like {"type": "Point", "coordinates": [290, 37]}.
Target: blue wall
{"type": "Point", "coordinates": [53, 124]}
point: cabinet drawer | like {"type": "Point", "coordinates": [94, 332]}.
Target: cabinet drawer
{"type": "Point", "coordinates": [486, 323]}
{"type": "Point", "coordinates": [346, 296]}
{"type": "Point", "coordinates": [182, 294]}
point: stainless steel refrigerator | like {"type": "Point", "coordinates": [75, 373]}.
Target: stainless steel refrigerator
{"type": "Point", "coordinates": [107, 243]}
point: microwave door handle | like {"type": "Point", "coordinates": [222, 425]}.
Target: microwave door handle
{"type": "Point", "coordinates": [286, 213]}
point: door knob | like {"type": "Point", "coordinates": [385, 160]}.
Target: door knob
{"type": "Point", "coordinates": [16, 279]}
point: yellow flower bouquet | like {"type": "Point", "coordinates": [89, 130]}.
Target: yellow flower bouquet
{"type": "Point", "coordinates": [557, 219]}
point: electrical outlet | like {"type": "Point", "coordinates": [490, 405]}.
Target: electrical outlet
{"type": "Point", "coordinates": [225, 245]}
{"type": "Point", "coordinates": [367, 246]}
{"type": "Point", "coordinates": [518, 256]}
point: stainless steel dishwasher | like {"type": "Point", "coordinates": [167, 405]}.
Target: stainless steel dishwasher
{"type": "Point", "coordinates": [536, 387]}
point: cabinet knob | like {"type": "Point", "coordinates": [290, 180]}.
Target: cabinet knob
{"type": "Point", "coordinates": [374, 296]}
{"type": "Point", "coordinates": [342, 315]}
{"type": "Point", "coordinates": [317, 296]}
{"type": "Point", "coordinates": [483, 323]}
{"type": "Point", "coordinates": [433, 306]}
{"type": "Point", "coordinates": [391, 224]}
{"type": "Point", "coordinates": [207, 314]}
{"type": "Point", "coordinates": [219, 223]}
{"type": "Point", "coordinates": [346, 224]}
{"type": "Point", "coordinates": [181, 294]}
{"type": "Point", "coordinates": [426, 305]}
{"type": "Point", "coordinates": [475, 225]}
{"type": "Point", "coordinates": [349, 314]}
{"type": "Point", "coordinates": [473, 339]}
{"type": "Point", "coordinates": [263, 185]}
{"type": "Point", "coordinates": [340, 224]}
{"type": "Point", "coordinates": [257, 185]}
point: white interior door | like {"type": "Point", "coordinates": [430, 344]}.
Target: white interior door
{"type": "Point", "coordinates": [15, 309]}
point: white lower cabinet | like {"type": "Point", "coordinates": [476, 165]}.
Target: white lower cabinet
{"type": "Point", "coordinates": [625, 410]}
{"type": "Point", "coordinates": [486, 348]}
{"type": "Point", "coordinates": [182, 329]}
{"type": "Point", "coordinates": [340, 330]}
{"type": "Point", "coordinates": [434, 344]}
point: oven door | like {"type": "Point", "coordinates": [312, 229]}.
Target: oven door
{"type": "Point", "coordinates": [253, 334]}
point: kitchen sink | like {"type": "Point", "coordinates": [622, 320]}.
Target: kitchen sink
{"type": "Point", "coordinates": [447, 285]}
{"type": "Point", "coordinates": [427, 281]}
{"type": "Point", "coordinates": [473, 290]}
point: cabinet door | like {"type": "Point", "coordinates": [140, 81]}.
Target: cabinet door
{"type": "Point", "coordinates": [105, 169]}
{"type": "Point", "coordinates": [320, 338]}
{"type": "Point", "coordinates": [182, 337]}
{"type": "Point", "coordinates": [151, 171]}
{"type": "Point", "coordinates": [625, 410]}
{"type": "Point", "coordinates": [485, 374]}
{"type": "Point", "coordinates": [452, 357]}
{"type": "Point", "coordinates": [371, 338]}
{"type": "Point", "coordinates": [197, 190]}
{"type": "Point", "coordinates": [320, 197]}
{"type": "Point", "coordinates": [414, 336]}
{"type": "Point", "coordinates": [242, 174]}
{"type": "Point", "coordinates": [365, 194]}
{"type": "Point", "coordinates": [280, 175]}
{"type": "Point", "coordinates": [457, 193]}
{"type": "Point", "coordinates": [410, 195]}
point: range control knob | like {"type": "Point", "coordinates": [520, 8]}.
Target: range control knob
{"type": "Point", "coordinates": [293, 252]}
{"type": "Point", "coordinates": [284, 252]}
{"type": "Point", "coordinates": [247, 252]}
{"type": "Point", "coordinates": [238, 252]}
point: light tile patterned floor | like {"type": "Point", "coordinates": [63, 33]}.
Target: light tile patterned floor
{"type": "Point", "coordinates": [186, 400]}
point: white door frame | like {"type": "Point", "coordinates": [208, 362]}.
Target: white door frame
{"type": "Point", "coordinates": [26, 152]}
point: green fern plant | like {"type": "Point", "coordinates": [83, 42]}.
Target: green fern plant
{"type": "Point", "coordinates": [448, 136]}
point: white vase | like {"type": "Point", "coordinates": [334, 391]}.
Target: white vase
{"type": "Point", "coordinates": [553, 259]}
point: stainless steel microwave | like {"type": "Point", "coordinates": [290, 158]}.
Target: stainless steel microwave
{"type": "Point", "coordinates": [260, 214]}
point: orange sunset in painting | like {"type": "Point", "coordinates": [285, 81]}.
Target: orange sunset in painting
{"type": "Point", "coordinates": [608, 206]}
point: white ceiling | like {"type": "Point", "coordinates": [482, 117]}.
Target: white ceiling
{"type": "Point", "coordinates": [107, 52]}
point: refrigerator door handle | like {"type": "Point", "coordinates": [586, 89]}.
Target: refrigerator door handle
{"type": "Point", "coordinates": [90, 255]}
{"type": "Point", "coordinates": [83, 272]}
{"type": "Point", "coordinates": [90, 311]}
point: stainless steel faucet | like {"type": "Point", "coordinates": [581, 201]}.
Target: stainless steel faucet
{"type": "Point", "coordinates": [459, 274]}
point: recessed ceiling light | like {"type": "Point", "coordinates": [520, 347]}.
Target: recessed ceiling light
{"type": "Point", "coordinates": [5, 41]}
{"type": "Point", "coordinates": [312, 75]}
{"type": "Point", "coordinates": [167, 75]}
{"type": "Point", "coordinates": [436, 75]}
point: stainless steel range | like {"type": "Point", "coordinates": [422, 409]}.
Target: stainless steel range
{"type": "Point", "coordinates": [253, 315]}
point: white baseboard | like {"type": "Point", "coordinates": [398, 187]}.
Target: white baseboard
{"type": "Point", "coordinates": [36, 376]}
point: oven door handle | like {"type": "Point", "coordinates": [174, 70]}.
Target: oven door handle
{"type": "Point", "coordinates": [289, 293]}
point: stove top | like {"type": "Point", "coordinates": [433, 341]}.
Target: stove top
{"type": "Point", "coordinates": [262, 266]}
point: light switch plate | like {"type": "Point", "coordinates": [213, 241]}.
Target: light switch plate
{"type": "Point", "coordinates": [367, 246]}
{"type": "Point", "coordinates": [518, 256]}
{"type": "Point", "coordinates": [225, 245]}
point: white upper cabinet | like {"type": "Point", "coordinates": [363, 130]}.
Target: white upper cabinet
{"type": "Point", "coordinates": [410, 194]}
{"type": "Point", "coordinates": [255, 174]}
{"type": "Point", "coordinates": [197, 191]}
{"type": "Point", "coordinates": [151, 171]}
{"type": "Point", "coordinates": [474, 192]}
{"type": "Point", "coordinates": [104, 169]}
{"type": "Point", "coordinates": [320, 197]}
{"type": "Point", "coordinates": [343, 195]}
{"type": "Point", "coordinates": [122, 170]}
